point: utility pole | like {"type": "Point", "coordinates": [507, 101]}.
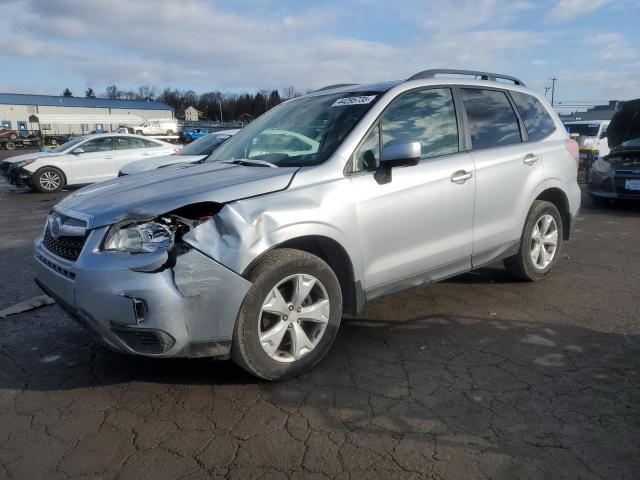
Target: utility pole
{"type": "Point", "coordinates": [553, 89]}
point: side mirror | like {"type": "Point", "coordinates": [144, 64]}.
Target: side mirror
{"type": "Point", "coordinates": [397, 154]}
{"type": "Point", "coordinates": [78, 151]}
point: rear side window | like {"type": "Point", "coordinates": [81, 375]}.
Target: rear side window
{"type": "Point", "coordinates": [492, 121]}
{"type": "Point", "coordinates": [151, 144]}
{"type": "Point", "coordinates": [537, 120]}
{"type": "Point", "coordinates": [129, 143]}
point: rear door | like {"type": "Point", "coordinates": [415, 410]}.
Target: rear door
{"type": "Point", "coordinates": [130, 149]}
{"type": "Point", "coordinates": [92, 161]}
{"type": "Point", "coordinates": [508, 169]}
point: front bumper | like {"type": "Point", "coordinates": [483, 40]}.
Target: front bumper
{"type": "Point", "coordinates": [146, 304]}
{"type": "Point", "coordinates": [612, 186]}
{"type": "Point", "coordinates": [19, 177]}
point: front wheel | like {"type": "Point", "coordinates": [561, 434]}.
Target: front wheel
{"type": "Point", "coordinates": [48, 180]}
{"type": "Point", "coordinates": [540, 243]}
{"type": "Point", "coordinates": [289, 317]}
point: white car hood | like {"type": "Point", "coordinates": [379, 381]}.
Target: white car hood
{"type": "Point", "coordinates": [29, 156]}
{"type": "Point", "coordinates": [156, 162]}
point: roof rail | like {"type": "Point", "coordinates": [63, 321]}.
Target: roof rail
{"type": "Point", "coordinates": [483, 75]}
{"type": "Point", "coordinates": [336, 85]}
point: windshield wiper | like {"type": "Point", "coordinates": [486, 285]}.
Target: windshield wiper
{"type": "Point", "coordinates": [246, 161]}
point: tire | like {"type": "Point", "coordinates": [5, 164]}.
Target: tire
{"type": "Point", "coordinates": [13, 136]}
{"type": "Point", "coordinates": [281, 269]}
{"type": "Point", "coordinates": [522, 264]}
{"type": "Point", "coordinates": [10, 145]}
{"type": "Point", "coordinates": [44, 180]}
{"type": "Point", "coordinates": [169, 132]}
{"type": "Point", "coordinates": [138, 132]}
{"type": "Point", "coordinates": [188, 139]}
{"type": "Point", "coordinates": [599, 201]}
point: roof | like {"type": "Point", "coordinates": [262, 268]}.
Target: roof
{"type": "Point", "coordinates": [85, 118]}
{"type": "Point", "coordinates": [55, 101]}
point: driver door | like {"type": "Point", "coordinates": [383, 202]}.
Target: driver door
{"type": "Point", "coordinates": [419, 226]}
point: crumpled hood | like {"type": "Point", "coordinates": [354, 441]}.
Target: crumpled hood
{"type": "Point", "coordinates": [157, 162]}
{"type": "Point", "coordinates": [29, 156]}
{"type": "Point", "coordinates": [163, 190]}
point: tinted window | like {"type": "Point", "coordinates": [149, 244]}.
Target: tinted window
{"type": "Point", "coordinates": [98, 145]}
{"type": "Point", "coordinates": [129, 143]}
{"type": "Point", "coordinates": [425, 116]}
{"type": "Point", "coordinates": [537, 120]}
{"type": "Point", "coordinates": [492, 121]}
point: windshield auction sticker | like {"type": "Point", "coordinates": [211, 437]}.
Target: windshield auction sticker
{"type": "Point", "coordinates": [353, 101]}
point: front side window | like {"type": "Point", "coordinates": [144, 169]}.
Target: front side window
{"type": "Point", "coordinates": [129, 143]}
{"type": "Point", "coordinates": [425, 116]}
{"type": "Point", "coordinates": [300, 132]}
{"type": "Point", "coordinates": [492, 121]}
{"type": "Point", "coordinates": [537, 120]}
{"type": "Point", "coordinates": [98, 145]}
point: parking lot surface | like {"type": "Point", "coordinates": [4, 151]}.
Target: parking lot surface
{"type": "Point", "coordinates": [476, 377]}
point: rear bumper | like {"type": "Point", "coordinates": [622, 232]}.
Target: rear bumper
{"type": "Point", "coordinates": [138, 304]}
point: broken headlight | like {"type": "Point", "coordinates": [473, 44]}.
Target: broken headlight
{"type": "Point", "coordinates": [135, 237]}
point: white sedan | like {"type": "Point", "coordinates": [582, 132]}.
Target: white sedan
{"type": "Point", "coordinates": [84, 160]}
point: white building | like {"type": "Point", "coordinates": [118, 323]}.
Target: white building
{"type": "Point", "coordinates": [192, 114]}
{"type": "Point", "coordinates": [77, 115]}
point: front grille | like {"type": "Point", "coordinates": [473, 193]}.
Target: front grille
{"type": "Point", "coordinates": [65, 247]}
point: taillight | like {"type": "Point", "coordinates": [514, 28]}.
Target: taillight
{"type": "Point", "coordinates": [572, 147]}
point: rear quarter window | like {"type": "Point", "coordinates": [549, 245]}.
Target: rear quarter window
{"type": "Point", "coordinates": [537, 120]}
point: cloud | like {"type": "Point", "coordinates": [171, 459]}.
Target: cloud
{"type": "Point", "coordinates": [566, 10]}
{"type": "Point", "coordinates": [612, 46]}
{"type": "Point", "coordinates": [197, 43]}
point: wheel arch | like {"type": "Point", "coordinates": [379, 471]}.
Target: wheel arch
{"type": "Point", "coordinates": [336, 256]}
{"type": "Point", "coordinates": [559, 199]}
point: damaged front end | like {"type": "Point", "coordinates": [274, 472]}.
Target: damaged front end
{"type": "Point", "coordinates": [139, 287]}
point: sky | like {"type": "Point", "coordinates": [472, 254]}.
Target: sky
{"type": "Point", "coordinates": [591, 46]}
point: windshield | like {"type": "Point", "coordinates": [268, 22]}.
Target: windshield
{"type": "Point", "coordinates": [204, 145]}
{"type": "Point", "coordinates": [635, 143]}
{"type": "Point", "coordinates": [583, 129]}
{"type": "Point", "coordinates": [300, 132]}
{"type": "Point", "coordinates": [68, 145]}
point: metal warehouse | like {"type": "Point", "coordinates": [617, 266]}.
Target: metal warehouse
{"type": "Point", "coordinates": [75, 115]}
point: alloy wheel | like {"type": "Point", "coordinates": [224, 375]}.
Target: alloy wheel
{"type": "Point", "coordinates": [293, 317]}
{"type": "Point", "coordinates": [50, 180]}
{"type": "Point", "coordinates": [544, 241]}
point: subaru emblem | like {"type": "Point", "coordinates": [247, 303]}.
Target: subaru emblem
{"type": "Point", "coordinates": [55, 225]}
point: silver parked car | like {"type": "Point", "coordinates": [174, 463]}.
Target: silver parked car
{"type": "Point", "coordinates": [195, 152]}
{"type": "Point", "coordinates": [373, 189]}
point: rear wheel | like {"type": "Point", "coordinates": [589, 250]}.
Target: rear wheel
{"type": "Point", "coordinates": [139, 132]}
{"type": "Point", "coordinates": [289, 317]}
{"type": "Point", "coordinates": [10, 146]}
{"type": "Point", "coordinates": [540, 243]}
{"type": "Point", "coordinates": [48, 180]}
{"type": "Point", "coordinates": [169, 132]}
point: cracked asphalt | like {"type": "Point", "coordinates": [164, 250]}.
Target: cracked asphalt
{"type": "Point", "coordinates": [476, 377]}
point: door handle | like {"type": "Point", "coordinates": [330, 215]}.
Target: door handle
{"type": "Point", "coordinates": [530, 158]}
{"type": "Point", "coordinates": [461, 176]}
{"type": "Point", "coordinates": [108, 158]}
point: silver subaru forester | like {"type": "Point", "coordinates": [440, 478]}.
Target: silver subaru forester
{"type": "Point", "coordinates": [324, 202]}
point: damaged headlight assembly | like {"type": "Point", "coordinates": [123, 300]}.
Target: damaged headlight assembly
{"type": "Point", "coordinates": [139, 237]}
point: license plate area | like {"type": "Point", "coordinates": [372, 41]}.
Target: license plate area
{"type": "Point", "coordinates": [632, 184]}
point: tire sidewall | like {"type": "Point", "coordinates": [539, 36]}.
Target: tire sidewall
{"type": "Point", "coordinates": [247, 322]}
{"type": "Point", "coordinates": [38, 174]}
{"type": "Point", "coordinates": [536, 213]}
